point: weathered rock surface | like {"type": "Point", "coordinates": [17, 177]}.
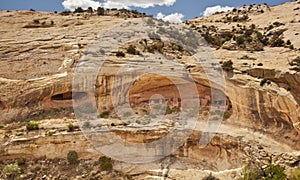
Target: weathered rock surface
{"type": "Point", "coordinates": [263, 123]}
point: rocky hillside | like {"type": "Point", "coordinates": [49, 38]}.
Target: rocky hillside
{"type": "Point", "coordinates": [257, 46]}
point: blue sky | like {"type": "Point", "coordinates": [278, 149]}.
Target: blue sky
{"type": "Point", "coordinates": [188, 8]}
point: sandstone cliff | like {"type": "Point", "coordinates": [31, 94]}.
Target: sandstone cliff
{"type": "Point", "coordinates": [39, 53]}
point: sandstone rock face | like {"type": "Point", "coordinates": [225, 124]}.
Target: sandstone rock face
{"type": "Point", "coordinates": [44, 53]}
{"type": "Point", "coordinates": [25, 97]}
{"type": "Point", "coordinates": [264, 118]}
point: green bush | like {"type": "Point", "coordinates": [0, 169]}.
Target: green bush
{"type": "Point", "coordinates": [271, 172]}
{"type": "Point", "coordinates": [131, 50]}
{"type": "Point", "coordinates": [11, 170]}
{"type": "Point", "coordinates": [210, 177]}
{"type": "Point", "coordinates": [78, 10]}
{"type": "Point", "coordinates": [235, 18]}
{"type": "Point", "coordinates": [294, 174]}
{"type": "Point", "coordinates": [296, 61]}
{"type": "Point", "coordinates": [65, 13]}
{"type": "Point", "coordinates": [90, 10]}
{"type": "Point", "coordinates": [171, 110]}
{"type": "Point", "coordinates": [105, 163]}
{"type": "Point", "coordinates": [36, 21]}
{"type": "Point", "coordinates": [104, 114]}
{"type": "Point", "coordinates": [270, 27]}
{"type": "Point", "coordinates": [209, 39]}
{"type": "Point", "coordinates": [240, 40]}
{"type": "Point", "coordinates": [226, 115]}
{"type": "Point", "coordinates": [252, 173]}
{"type": "Point", "coordinates": [100, 11]}
{"type": "Point", "coordinates": [71, 127]}
{"type": "Point", "coordinates": [120, 54]}
{"type": "Point", "coordinates": [21, 161]}
{"type": "Point", "coordinates": [72, 157]}
{"type": "Point", "coordinates": [168, 110]}
{"type": "Point", "coordinates": [227, 65]}
{"type": "Point", "coordinates": [32, 125]}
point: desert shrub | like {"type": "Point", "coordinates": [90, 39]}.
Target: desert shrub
{"type": "Point", "coordinates": [235, 18]}
{"type": "Point", "coordinates": [294, 174]}
{"type": "Point", "coordinates": [270, 27]}
{"type": "Point", "coordinates": [100, 11]}
{"type": "Point", "coordinates": [105, 163]}
{"type": "Point", "coordinates": [261, 38]}
{"type": "Point", "coordinates": [226, 115]}
{"type": "Point", "coordinates": [277, 23]}
{"type": "Point", "coordinates": [78, 10]}
{"type": "Point", "coordinates": [72, 157]}
{"type": "Point", "coordinates": [172, 110]}
{"type": "Point", "coordinates": [71, 127]}
{"type": "Point", "coordinates": [32, 125]}
{"type": "Point", "coordinates": [288, 42]}
{"type": "Point", "coordinates": [36, 21]}
{"type": "Point", "coordinates": [11, 171]}
{"type": "Point", "coordinates": [208, 37]}
{"type": "Point", "coordinates": [135, 12]}
{"type": "Point", "coordinates": [229, 18]}
{"type": "Point", "coordinates": [210, 177]}
{"type": "Point", "coordinates": [296, 61]}
{"type": "Point", "coordinates": [21, 161]}
{"type": "Point", "coordinates": [291, 46]}
{"type": "Point", "coordinates": [65, 13]}
{"type": "Point", "coordinates": [120, 54]}
{"type": "Point", "coordinates": [1, 126]}
{"type": "Point", "coordinates": [252, 172]}
{"type": "Point", "coordinates": [131, 50]}
{"type": "Point", "coordinates": [90, 10]}
{"type": "Point", "coordinates": [263, 82]}
{"type": "Point", "coordinates": [227, 65]}
{"type": "Point", "coordinates": [104, 114]}
{"type": "Point", "coordinates": [240, 40]}
{"type": "Point", "coordinates": [273, 172]}
{"type": "Point", "coordinates": [168, 110]}
{"type": "Point", "coordinates": [276, 41]}
{"type": "Point", "coordinates": [244, 18]}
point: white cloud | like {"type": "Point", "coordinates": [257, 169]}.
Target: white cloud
{"type": "Point", "coordinates": [211, 10]}
{"type": "Point", "coordinates": [172, 18]}
{"type": "Point", "coordinates": [137, 3]}
{"type": "Point", "coordinates": [72, 4]}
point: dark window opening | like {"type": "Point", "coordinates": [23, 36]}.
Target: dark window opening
{"type": "Point", "coordinates": [61, 97]}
